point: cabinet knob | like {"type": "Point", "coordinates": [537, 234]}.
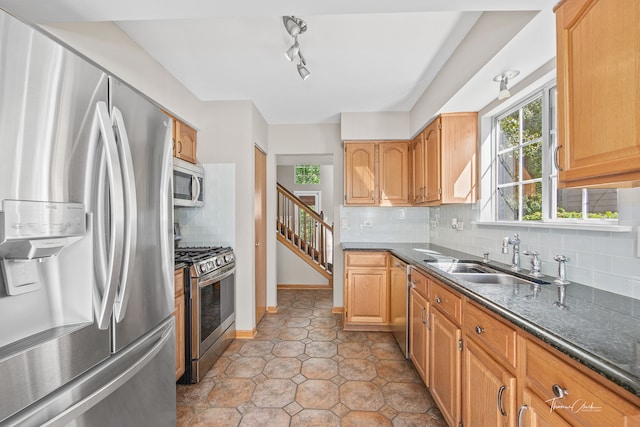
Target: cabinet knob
{"type": "Point", "coordinates": [438, 300]}
{"type": "Point", "coordinates": [559, 391]}
{"type": "Point", "coordinates": [479, 329]}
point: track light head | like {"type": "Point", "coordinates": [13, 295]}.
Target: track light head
{"type": "Point", "coordinates": [304, 73]}
{"type": "Point", "coordinates": [294, 26]}
{"type": "Point", "coordinates": [293, 51]}
{"type": "Point", "coordinates": [504, 81]}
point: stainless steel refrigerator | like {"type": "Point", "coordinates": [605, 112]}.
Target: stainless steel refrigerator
{"type": "Point", "coordinates": [86, 242]}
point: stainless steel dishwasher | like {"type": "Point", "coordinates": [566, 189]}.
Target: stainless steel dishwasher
{"type": "Point", "coordinates": [399, 302]}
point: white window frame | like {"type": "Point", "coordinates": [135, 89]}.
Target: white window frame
{"type": "Point", "coordinates": [549, 169]}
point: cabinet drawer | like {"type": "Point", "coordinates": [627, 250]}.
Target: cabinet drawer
{"type": "Point", "coordinates": [447, 302]}
{"type": "Point", "coordinates": [420, 282]}
{"type": "Point", "coordinates": [178, 282]}
{"type": "Point", "coordinates": [498, 338]}
{"type": "Point", "coordinates": [586, 402]}
{"type": "Point", "coordinates": [366, 259]}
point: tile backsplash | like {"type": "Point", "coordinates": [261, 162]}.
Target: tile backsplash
{"type": "Point", "coordinates": [387, 224]}
{"type": "Point", "coordinates": [214, 223]}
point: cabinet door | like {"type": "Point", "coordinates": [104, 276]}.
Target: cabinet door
{"type": "Point", "coordinates": [367, 296]}
{"type": "Point", "coordinates": [445, 366]}
{"type": "Point", "coordinates": [489, 390]}
{"type": "Point", "coordinates": [535, 413]}
{"type": "Point", "coordinates": [186, 145]}
{"type": "Point", "coordinates": [393, 176]}
{"type": "Point", "coordinates": [458, 158]}
{"type": "Point", "coordinates": [180, 346]}
{"type": "Point", "coordinates": [359, 174]}
{"type": "Point", "coordinates": [419, 334]}
{"type": "Point", "coordinates": [598, 91]}
{"type": "Point", "coordinates": [419, 169]}
{"type": "Point", "coordinates": [433, 187]}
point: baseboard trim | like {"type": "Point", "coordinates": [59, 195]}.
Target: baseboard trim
{"type": "Point", "coordinates": [246, 335]}
{"type": "Point", "coordinates": [337, 310]}
{"type": "Point", "coordinates": [305, 287]}
{"type": "Point", "coordinates": [272, 309]}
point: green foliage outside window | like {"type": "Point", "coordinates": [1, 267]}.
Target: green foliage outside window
{"type": "Point", "coordinates": [307, 174]}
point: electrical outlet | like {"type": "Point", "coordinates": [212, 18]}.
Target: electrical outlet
{"type": "Point", "coordinates": [367, 223]}
{"type": "Point", "coordinates": [460, 226]}
{"type": "Point", "coordinates": [345, 223]}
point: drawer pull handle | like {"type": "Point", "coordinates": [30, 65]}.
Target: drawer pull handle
{"type": "Point", "coordinates": [520, 412]}
{"type": "Point", "coordinates": [439, 300]}
{"type": "Point", "coordinates": [500, 391]}
{"type": "Point", "coordinates": [559, 391]}
{"type": "Point", "coordinates": [479, 329]}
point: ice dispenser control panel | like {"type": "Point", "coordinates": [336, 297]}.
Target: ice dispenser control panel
{"type": "Point", "coordinates": [33, 231]}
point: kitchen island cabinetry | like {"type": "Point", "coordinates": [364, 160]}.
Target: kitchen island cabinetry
{"type": "Point", "coordinates": [448, 173]}
{"type": "Point", "coordinates": [377, 173]}
{"type": "Point", "coordinates": [179, 314]}
{"type": "Point", "coordinates": [184, 141]}
{"type": "Point", "coordinates": [598, 92]}
{"type": "Point", "coordinates": [366, 291]}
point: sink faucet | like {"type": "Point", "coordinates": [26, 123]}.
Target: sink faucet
{"type": "Point", "coordinates": [562, 281]}
{"type": "Point", "coordinates": [515, 241]}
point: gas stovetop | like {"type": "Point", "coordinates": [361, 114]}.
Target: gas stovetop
{"type": "Point", "coordinates": [205, 260]}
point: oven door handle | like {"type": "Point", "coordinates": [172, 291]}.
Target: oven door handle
{"type": "Point", "coordinates": [208, 282]}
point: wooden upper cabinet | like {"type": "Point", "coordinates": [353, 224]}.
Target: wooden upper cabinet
{"type": "Point", "coordinates": [394, 173]}
{"type": "Point", "coordinates": [449, 148]}
{"type": "Point", "coordinates": [360, 174]}
{"type": "Point", "coordinates": [184, 141]}
{"type": "Point", "coordinates": [419, 169]}
{"type": "Point", "coordinates": [376, 173]}
{"type": "Point", "coordinates": [598, 42]}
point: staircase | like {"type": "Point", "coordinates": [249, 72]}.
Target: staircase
{"type": "Point", "coordinates": [305, 233]}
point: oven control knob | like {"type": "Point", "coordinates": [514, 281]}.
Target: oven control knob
{"type": "Point", "coordinates": [227, 258]}
{"type": "Point", "coordinates": [203, 268]}
{"type": "Point", "coordinates": [219, 261]}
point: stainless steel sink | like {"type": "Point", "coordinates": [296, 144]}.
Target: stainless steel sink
{"type": "Point", "coordinates": [492, 278]}
{"type": "Point", "coordinates": [464, 267]}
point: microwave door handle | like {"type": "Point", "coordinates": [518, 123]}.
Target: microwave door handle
{"type": "Point", "coordinates": [131, 215]}
{"type": "Point", "coordinates": [196, 194]}
{"type": "Point", "coordinates": [101, 127]}
{"type": "Point", "coordinates": [166, 237]}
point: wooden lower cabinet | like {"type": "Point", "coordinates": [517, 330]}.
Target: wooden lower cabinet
{"type": "Point", "coordinates": [367, 289]}
{"type": "Point", "coordinates": [419, 334]}
{"type": "Point", "coordinates": [488, 390]}
{"type": "Point", "coordinates": [179, 314]}
{"type": "Point", "coordinates": [535, 413]}
{"type": "Point", "coordinates": [445, 363]}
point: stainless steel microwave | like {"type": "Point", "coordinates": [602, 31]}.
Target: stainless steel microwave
{"type": "Point", "coordinates": [188, 184]}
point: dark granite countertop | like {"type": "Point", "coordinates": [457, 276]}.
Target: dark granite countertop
{"type": "Point", "coordinates": [600, 329]}
{"type": "Point", "coordinates": [179, 265]}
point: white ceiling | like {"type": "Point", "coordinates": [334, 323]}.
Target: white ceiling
{"type": "Point", "coordinates": [364, 55]}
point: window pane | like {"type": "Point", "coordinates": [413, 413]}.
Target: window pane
{"type": "Point", "coordinates": [508, 167]}
{"type": "Point", "coordinates": [307, 174]}
{"type": "Point", "coordinates": [509, 131]}
{"type": "Point", "coordinates": [532, 201]}
{"type": "Point", "coordinates": [508, 204]}
{"type": "Point", "coordinates": [600, 203]}
{"type": "Point", "coordinates": [532, 120]}
{"type": "Point", "coordinates": [532, 161]}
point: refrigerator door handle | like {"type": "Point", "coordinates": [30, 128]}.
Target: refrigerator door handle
{"type": "Point", "coordinates": [166, 211]}
{"type": "Point", "coordinates": [104, 303]}
{"type": "Point", "coordinates": [131, 215]}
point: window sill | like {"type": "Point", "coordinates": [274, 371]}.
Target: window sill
{"type": "Point", "coordinates": [610, 228]}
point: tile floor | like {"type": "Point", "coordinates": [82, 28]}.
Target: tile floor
{"type": "Point", "coordinates": [302, 369]}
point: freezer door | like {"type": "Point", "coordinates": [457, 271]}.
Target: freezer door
{"type": "Point", "coordinates": [133, 388]}
{"type": "Point", "coordinates": [47, 110]}
{"type": "Point", "coordinates": [146, 295]}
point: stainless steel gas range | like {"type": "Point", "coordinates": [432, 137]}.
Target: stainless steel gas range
{"type": "Point", "coordinates": [210, 307]}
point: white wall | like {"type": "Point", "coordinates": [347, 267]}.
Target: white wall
{"type": "Point", "coordinates": [384, 125]}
